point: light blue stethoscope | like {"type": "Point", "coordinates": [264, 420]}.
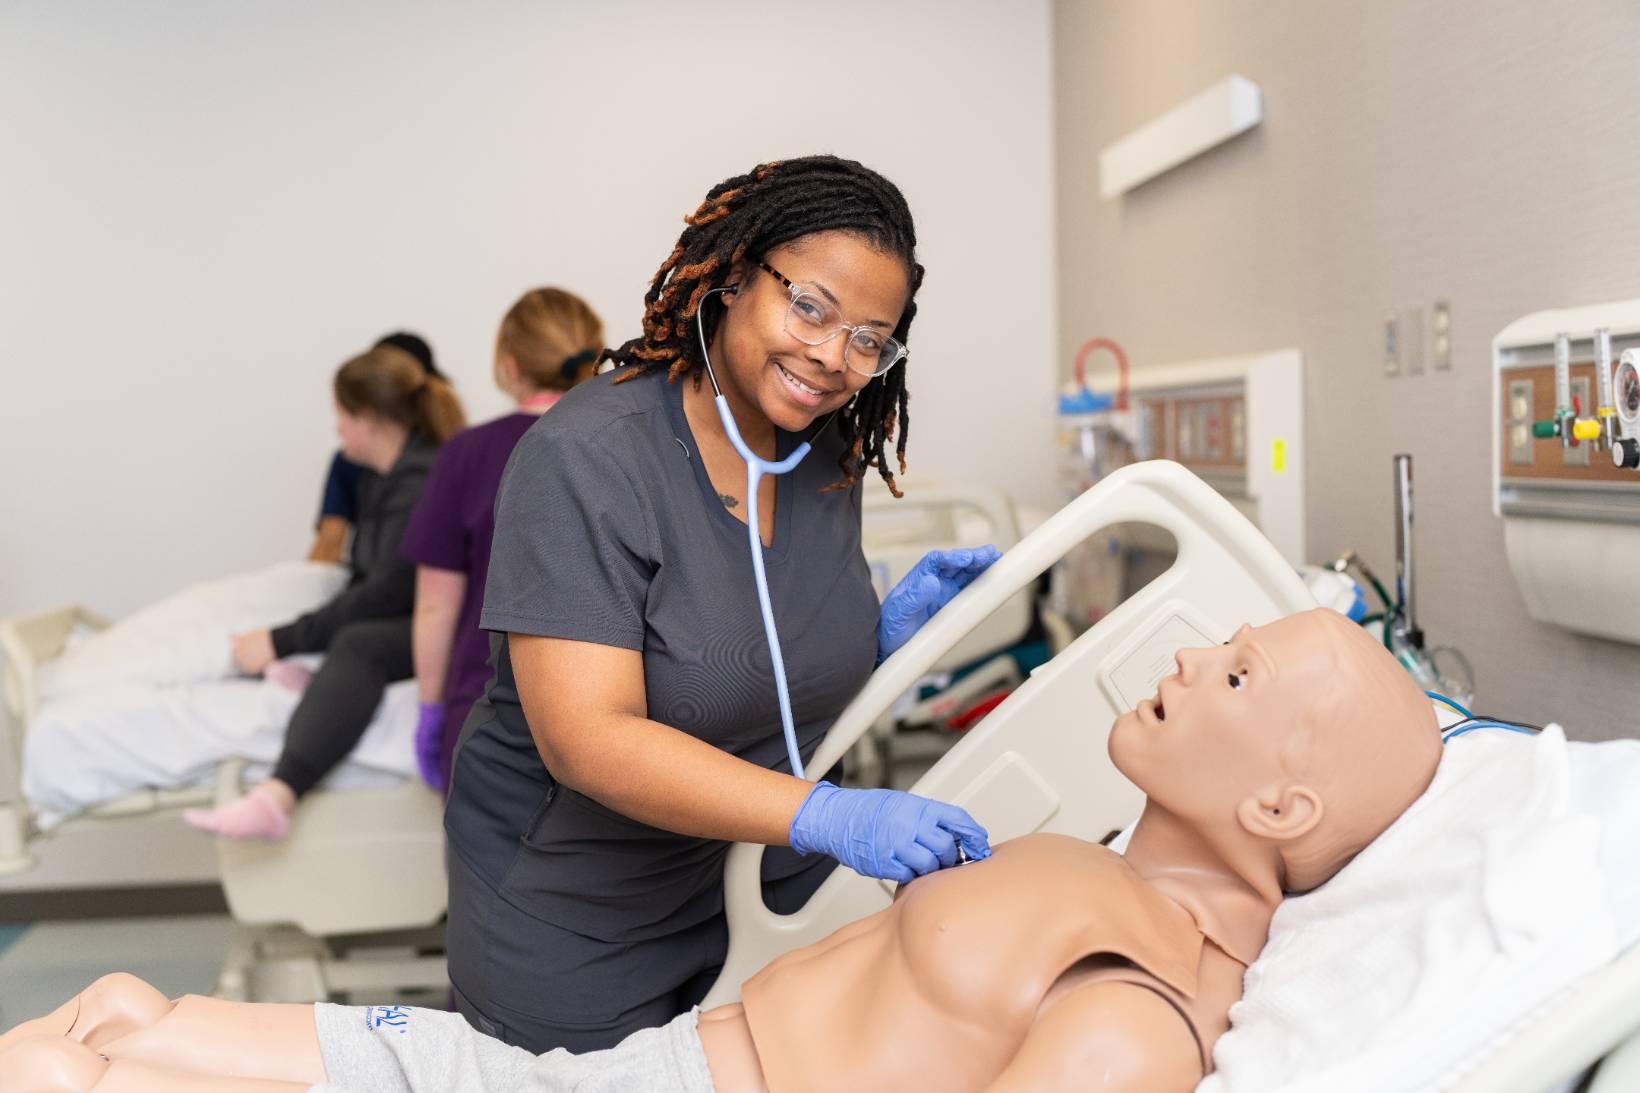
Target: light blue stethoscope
{"type": "Point", "coordinates": [756, 468]}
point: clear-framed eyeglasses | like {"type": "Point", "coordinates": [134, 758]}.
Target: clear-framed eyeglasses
{"type": "Point", "coordinates": [813, 320]}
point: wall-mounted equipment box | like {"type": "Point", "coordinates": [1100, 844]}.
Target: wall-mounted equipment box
{"type": "Point", "coordinates": [1571, 514]}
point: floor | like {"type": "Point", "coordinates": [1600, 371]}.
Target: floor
{"type": "Point", "coordinates": [44, 964]}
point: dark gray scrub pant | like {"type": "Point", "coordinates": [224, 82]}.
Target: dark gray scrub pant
{"type": "Point", "coordinates": [341, 698]}
{"type": "Point", "coordinates": [597, 993]}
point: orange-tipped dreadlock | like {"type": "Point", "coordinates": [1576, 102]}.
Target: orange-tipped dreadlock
{"type": "Point", "coordinates": [751, 215]}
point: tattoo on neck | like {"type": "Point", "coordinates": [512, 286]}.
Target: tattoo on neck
{"type": "Point", "coordinates": [729, 500]}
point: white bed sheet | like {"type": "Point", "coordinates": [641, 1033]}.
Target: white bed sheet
{"type": "Point", "coordinates": [1517, 873]}
{"type": "Point", "coordinates": [87, 749]}
{"type": "Point", "coordinates": [184, 638]}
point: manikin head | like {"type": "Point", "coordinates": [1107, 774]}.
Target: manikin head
{"type": "Point", "coordinates": [1303, 737]}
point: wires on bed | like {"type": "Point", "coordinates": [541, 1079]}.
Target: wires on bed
{"type": "Point", "coordinates": [1470, 724]}
{"type": "Point", "coordinates": [1445, 701]}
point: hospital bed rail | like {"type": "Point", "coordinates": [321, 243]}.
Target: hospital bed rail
{"type": "Point", "coordinates": [1038, 762]}
{"type": "Point", "coordinates": [27, 644]}
{"type": "Point", "coordinates": [895, 533]}
{"type": "Point", "coordinates": [349, 905]}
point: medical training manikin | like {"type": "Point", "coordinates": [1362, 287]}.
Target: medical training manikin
{"type": "Point", "coordinates": [1267, 762]}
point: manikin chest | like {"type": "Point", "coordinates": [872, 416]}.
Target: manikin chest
{"type": "Point", "coordinates": [960, 966]}
{"type": "Point", "coordinates": [996, 935]}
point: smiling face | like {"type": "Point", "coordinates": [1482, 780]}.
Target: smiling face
{"type": "Point", "coordinates": [763, 368]}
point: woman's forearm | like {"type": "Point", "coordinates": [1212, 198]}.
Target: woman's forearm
{"type": "Point", "coordinates": [588, 713]}
{"type": "Point", "coordinates": [668, 779]}
{"type": "Point", "coordinates": [439, 594]}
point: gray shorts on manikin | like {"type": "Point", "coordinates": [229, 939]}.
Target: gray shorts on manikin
{"type": "Point", "coordinates": [402, 1049]}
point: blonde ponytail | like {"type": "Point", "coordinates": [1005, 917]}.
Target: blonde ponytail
{"type": "Point", "coordinates": [438, 411]}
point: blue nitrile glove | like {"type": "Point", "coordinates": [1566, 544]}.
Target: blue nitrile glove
{"type": "Point", "coordinates": [429, 743]}
{"type": "Point", "coordinates": [885, 833]}
{"type": "Point", "coordinates": [928, 586]}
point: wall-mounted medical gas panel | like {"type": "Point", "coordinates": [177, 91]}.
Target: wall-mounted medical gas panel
{"type": "Point", "coordinates": [1570, 507]}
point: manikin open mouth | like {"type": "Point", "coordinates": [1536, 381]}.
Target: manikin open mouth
{"type": "Point", "coordinates": [1161, 714]}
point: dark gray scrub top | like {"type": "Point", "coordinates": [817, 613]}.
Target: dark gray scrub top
{"type": "Point", "coordinates": [608, 530]}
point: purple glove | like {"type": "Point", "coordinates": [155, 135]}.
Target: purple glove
{"type": "Point", "coordinates": [885, 833]}
{"type": "Point", "coordinates": [430, 744]}
{"type": "Point", "coordinates": [928, 586]}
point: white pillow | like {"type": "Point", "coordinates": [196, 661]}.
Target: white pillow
{"type": "Point", "coordinates": [184, 638]}
{"type": "Point", "coordinates": [1510, 878]}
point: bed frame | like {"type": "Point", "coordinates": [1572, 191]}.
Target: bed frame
{"type": "Point", "coordinates": [374, 858]}
{"type": "Point", "coordinates": [1038, 762]}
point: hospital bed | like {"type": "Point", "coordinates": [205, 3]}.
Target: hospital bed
{"type": "Point", "coordinates": [895, 534]}
{"type": "Point", "coordinates": [1038, 762]}
{"type": "Point", "coordinates": [346, 906]}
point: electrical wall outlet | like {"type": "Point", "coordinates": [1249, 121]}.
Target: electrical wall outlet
{"type": "Point", "coordinates": [1441, 335]}
{"type": "Point", "coordinates": [1519, 423]}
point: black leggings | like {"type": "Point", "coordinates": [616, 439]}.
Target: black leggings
{"type": "Point", "coordinates": [342, 696]}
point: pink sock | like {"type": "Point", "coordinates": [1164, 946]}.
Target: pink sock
{"type": "Point", "coordinates": [288, 674]}
{"type": "Point", "coordinates": [256, 815]}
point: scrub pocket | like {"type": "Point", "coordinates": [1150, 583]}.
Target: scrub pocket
{"type": "Point", "coordinates": [607, 877]}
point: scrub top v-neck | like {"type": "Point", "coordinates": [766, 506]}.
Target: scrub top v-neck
{"type": "Point", "coordinates": [784, 443]}
{"type": "Point", "coordinates": [608, 531]}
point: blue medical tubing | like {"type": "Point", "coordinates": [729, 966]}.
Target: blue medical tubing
{"type": "Point", "coordinates": [1438, 697]}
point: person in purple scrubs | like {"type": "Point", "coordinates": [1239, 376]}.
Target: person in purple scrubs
{"type": "Point", "coordinates": [549, 341]}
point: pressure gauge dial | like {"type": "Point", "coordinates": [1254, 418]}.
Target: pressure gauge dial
{"type": "Point", "coordinates": [1628, 392]}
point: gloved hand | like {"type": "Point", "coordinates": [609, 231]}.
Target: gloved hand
{"type": "Point", "coordinates": [429, 744]}
{"type": "Point", "coordinates": [927, 587]}
{"type": "Point", "coordinates": [885, 833]}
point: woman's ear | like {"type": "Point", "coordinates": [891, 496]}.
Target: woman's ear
{"type": "Point", "coordinates": [738, 273]}
{"type": "Point", "coordinates": [507, 367]}
{"type": "Point", "coordinates": [1280, 814]}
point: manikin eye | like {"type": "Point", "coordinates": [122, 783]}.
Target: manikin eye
{"type": "Point", "coordinates": [1237, 681]}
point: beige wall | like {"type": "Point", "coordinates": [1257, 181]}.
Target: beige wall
{"type": "Point", "coordinates": [213, 205]}
{"type": "Point", "coordinates": [1482, 152]}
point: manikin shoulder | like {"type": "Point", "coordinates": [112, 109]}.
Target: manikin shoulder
{"type": "Point", "coordinates": [1106, 1034]}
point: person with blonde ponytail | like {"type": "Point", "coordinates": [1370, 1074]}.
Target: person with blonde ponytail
{"type": "Point", "coordinates": [392, 414]}
{"type": "Point", "coordinates": [549, 342]}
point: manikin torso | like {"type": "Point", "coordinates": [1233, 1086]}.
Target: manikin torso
{"type": "Point", "coordinates": [940, 990]}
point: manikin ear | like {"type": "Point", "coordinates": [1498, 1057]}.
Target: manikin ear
{"type": "Point", "coordinates": [1280, 814]}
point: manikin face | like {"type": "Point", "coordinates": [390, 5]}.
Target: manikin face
{"type": "Point", "coordinates": [761, 366]}
{"type": "Point", "coordinates": [1226, 726]}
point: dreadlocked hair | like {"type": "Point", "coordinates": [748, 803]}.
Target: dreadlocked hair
{"type": "Point", "coordinates": [747, 217]}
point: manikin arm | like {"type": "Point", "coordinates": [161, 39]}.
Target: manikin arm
{"type": "Point", "coordinates": [1105, 1035]}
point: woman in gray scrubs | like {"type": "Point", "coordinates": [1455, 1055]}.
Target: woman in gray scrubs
{"type": "Point", "coordinates": [631, 730]}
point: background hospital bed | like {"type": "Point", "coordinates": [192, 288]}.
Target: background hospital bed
{"type": "Point", "coordinates": [1038, 762]}
{"type": "Point", "coordinates": [895, 533]}
{"type": "Point", "coordinates": [344, 907]}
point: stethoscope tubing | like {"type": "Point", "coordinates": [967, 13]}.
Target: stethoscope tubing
{"type": "Point", "coordinates": [756, 468]}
